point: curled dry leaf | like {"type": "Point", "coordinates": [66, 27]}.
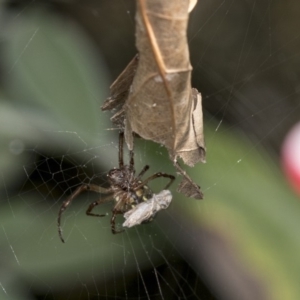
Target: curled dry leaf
{"type": "Point", "coordinates": [145, 212]}
{"type": "Point", "coordinates": [153, 96]}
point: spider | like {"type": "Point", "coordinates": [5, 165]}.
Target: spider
{"type": "Point", "coordinates": [125, 190]}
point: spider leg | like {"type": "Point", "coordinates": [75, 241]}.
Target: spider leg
{"type": "Point", "coordinates": [131, 153]}
{"type": "Point", "coordinates": [154, 176]}
{"type": "Point", "coordinates": [144, 170]}
{"type": "Point", "coordinates": [79, 190]}
{"type": "Point", "coordinates": [121, 142]}
{"type": "Point", "coordinates": [131, 160]}
{"type": "Point", "coordinates": [113, 222]}
{"type": "Point", "coordinates": [100, 201]}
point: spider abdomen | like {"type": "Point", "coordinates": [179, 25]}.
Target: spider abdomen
{"type": "Point", "coordinates": [142, 194]}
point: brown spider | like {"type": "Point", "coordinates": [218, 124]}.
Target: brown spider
{"type": "Point", "coordinates": [125, 189]}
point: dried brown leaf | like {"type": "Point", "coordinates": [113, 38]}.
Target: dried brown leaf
{"type": "Point", "coordinates": [153, 97]}
{"type": "Point", "coordinates": [187, 186]}
{"type": "Point", "coordinates": [119, 91]}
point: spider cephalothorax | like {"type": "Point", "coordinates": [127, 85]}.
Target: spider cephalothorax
{"type": "Point", "coordinates": [122, 177]}
{"type": "Point", "coordinates": [126, 189]}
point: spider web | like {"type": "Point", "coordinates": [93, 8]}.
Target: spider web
{"type": "Point", "coordinates": [233, 244]}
